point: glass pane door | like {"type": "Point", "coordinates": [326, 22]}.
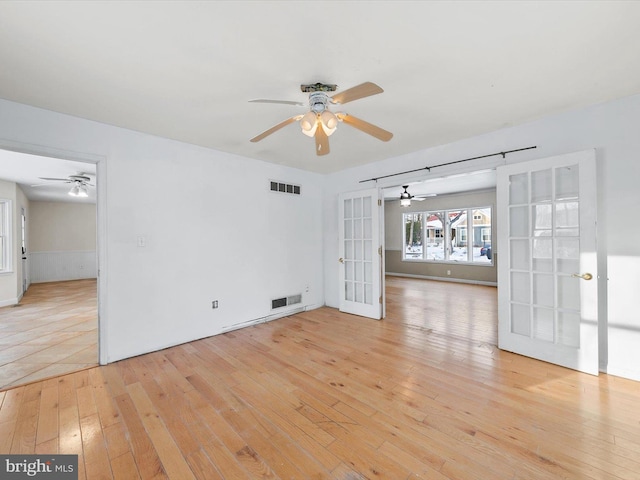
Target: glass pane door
{"type": "Point", "coordinates": [360, 274]}
{"type": "Point", "coordinates": [547, 283]}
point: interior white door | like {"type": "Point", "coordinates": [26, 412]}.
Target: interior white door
{"type": "Point", "coordinates": [360, 254]}
{"type": "Point", "coordinates": [547, 277]}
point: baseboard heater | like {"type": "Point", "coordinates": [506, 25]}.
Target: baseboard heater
{"type": "Point", "coordinates": [266, 319]}
{"type": "Point", "coordinates": [276, 304]}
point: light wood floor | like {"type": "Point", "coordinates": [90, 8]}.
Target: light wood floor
{"type": "Point", "coordinates": [329, 395]}
{"type": "Point", "coordinates": [52, 331]}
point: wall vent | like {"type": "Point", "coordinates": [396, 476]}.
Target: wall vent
{"type": "Point", "coordinates": [285, 301]}
{"type": "Point", "coordinates": [284, 187]}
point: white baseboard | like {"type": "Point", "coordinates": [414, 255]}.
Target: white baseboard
{"type": "Point", "coordinates": [444, 279]}
{"type": "Point", "coordinates": [10, 301]}
{"type": "Point", "coordinates": [269, 318]}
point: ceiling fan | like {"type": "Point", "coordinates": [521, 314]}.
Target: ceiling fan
{"type": "Point", "coordinates": [79, 182]}
{"type": "Point", "coordinates": [319, 121]}
{"type": "Point", "coordinates": [406, 197]}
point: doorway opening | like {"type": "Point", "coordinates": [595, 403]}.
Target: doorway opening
{"type": "Point", "coordinates": [49, 309]}
{"type": "Point", "coordinates": [444, 277]}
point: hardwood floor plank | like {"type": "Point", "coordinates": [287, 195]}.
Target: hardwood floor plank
{"type": "Point", "coordinates": [124, 467]}
{"type": "Point", "coordinates": [168, 452]}
{"type": "Point", "coordinates": [7, 431]}
{"type": "Point", "coordinates": [367, 460]}
{"type": "Point", "coordinates": [11, 405]}
{"type": "Point", "coordinates": [48, 415]}
{"type": "Point", "coordinates": [224, 435]}
{"type": "Point", "coordinates": [147, 461]}
{"type": "Point", "coordinates": [418, 468]}
{"type": "Point", "coordinates": [202, 467]}
{"type": "Point", "coordinates": [424, 393]}
{"type": "Point", "coordinates": [94, 448]}
{"type": "Point", "coordinates": [116, 439]}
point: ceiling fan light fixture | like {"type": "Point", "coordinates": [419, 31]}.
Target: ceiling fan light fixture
{"type": "Point", "coordinates": [319, 113]}
{"type": "Point", "coordinates": [405, 197]}
{"type": "Point", "coordinates": [329, 122]}
{"type": "Point", "coordinates": [309, 123]}
{"type": "Point", "coordinates": [79, 190]}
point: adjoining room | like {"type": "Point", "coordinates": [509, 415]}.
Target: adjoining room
{"type": "Point", "coordinates": [49, 318]}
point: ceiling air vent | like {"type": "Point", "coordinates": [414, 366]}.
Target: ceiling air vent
{"type": "Point", "coordinates": [284, 187]}
{"type": "Point", "coordinates": [285, 301]}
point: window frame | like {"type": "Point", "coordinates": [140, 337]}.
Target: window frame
{"type": "Point", "coordinates": [469, 236]}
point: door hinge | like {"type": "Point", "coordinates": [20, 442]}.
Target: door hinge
{"type": "Point", "coordinates": [379, 202]}
{"type": "Point", "coordinates": [380, 250]}
{"type": "Point", "coordinates": [380, 299]}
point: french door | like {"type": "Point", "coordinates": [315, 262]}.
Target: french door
{"type": "Point", "coordinates": [547, 277]}
{"type": "Point", "coordinates": [360, 250]}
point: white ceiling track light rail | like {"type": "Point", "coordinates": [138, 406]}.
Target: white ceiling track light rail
{"type": "Point", "coordinates": [428, 169]}
{"type": "Point", "coordinates": [320, 122]}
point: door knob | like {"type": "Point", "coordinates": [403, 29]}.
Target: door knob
{"type": "Point", "coordinates": [341, 260]}
{"type": "Point", "coordinates": [584, 276]}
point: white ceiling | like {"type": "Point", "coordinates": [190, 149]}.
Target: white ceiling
{"type": "Point", "coordinates": [186, 70]}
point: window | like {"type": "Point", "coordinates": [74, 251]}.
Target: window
{"type": "Point", "coordinates": [448, 236]}
{"type": "Point", "coordinates": [5, 236]}
{"type": "Point", "coordinates": [413, 235]}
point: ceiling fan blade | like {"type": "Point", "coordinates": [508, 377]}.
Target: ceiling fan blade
{"type": "Point", "coordinates": [276, 128]}
{"type": "Point", "coordinates": [322, 141]}
{"type": "Point", "coordinates": [365, 89]}
{"type": "Point", "coordinates": [284, 102]}
{"type": "Point", "coordinates": [366, 127]}
{"type": "Point", "coordinates": [55, 179]}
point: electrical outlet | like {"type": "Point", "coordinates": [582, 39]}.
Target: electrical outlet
{"type": "Point", "coordinates": [448, 272]}
{"type": "Point", "coordinates": [214, 304]}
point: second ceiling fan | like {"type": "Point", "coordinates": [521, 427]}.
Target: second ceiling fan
{"type": "Point", "coordinates": [320, 122]}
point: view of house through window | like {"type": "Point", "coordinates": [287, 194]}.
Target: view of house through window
{"type": "Point", "coordinates": [461, 235]}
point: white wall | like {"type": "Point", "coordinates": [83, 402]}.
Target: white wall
{"type": "Point", "coordinates": [8, 280]}
{"type": "Point", "coordinates": [62, 241]}
{"type": "Point", "coordinates": [211, 227]}
{"type": "Point", "coordinates": [11, 281]}
{"type": "Point", "coordinates": [611, 129]}
{"type": "Point", "coordinates": [62, 226]}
